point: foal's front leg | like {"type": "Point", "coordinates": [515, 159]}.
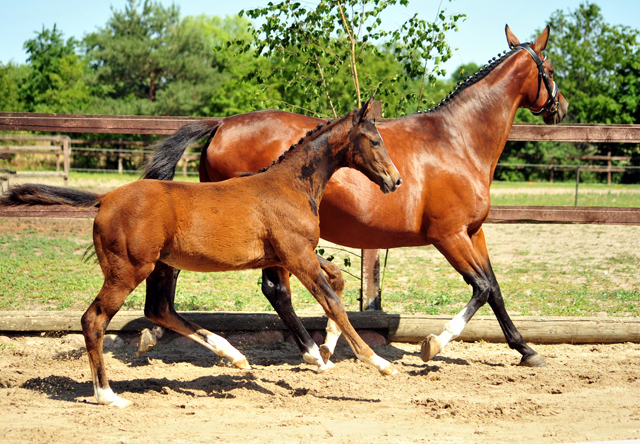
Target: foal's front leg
{"type": "Point", "coordinates": [307, 269]}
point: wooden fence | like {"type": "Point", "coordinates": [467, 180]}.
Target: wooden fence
{"type": "Point", "coordinates": [590, 133]}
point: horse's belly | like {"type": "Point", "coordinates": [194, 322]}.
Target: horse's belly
{"type": "Point", "coordinates": [211, 257]}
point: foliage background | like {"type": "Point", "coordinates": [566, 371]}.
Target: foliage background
{"type": "Point", "coordinates": [149, 60]}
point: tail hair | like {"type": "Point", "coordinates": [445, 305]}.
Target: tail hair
{"type": "Point", "coordinates": [162, 165]}
{"type": "Point", "coordinates": [37, 194]}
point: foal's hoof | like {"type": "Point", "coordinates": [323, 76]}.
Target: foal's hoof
{"type": "Point", "coordinates": [534, 360]}
{"type": "Point", "coordinates": [242, 363]}
{"type": "Point", "coordinates": [326, 366]}
{"type": "Point", "coordinates": [429, 348]}
{"type": "Point", "coordinates": [325, 353]}
{"type": "Point", "coordinates": [388, 370]}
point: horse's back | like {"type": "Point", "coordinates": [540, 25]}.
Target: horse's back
{"type": "Point", "coordinates": [245, 143]}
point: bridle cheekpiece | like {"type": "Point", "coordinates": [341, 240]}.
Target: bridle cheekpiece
{"type": "Point", "coordinates": [551, 106]}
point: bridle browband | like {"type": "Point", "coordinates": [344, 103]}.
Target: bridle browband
{"type": "Point", "coordinates": [552, 104]}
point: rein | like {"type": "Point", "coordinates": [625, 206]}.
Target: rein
{"type": "Point", "coordinates": [552, 104]}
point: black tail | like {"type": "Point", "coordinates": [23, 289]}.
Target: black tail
{"type": "Point", "coordinates": [36, 194]}
{"type": "Point", "coordinates": [162, 165]}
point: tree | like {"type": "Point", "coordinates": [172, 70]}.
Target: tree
{"type": "Point", "coordinates": [10, 78]}
{"type": "Point", "coordinates": [56, 78]}
{"type": "Point", "coordinates": [596, 67]}
{"type": "Point", "coordinates": [590, 57]}
{"type": "Point", "coordinates": [328, 55]}
{"type": "Point", "coordinates": [151, 62]}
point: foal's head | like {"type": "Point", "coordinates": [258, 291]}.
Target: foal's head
{"type": "Point", "coordinates": [368, 154]}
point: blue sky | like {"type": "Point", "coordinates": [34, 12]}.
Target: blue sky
{"type": "Point", "coordinates": [481, 35]}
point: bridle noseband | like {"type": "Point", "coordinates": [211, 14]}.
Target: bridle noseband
{"type": "Point", "coordinates": [552, 104]}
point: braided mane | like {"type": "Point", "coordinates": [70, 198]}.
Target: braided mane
{"type": "Point", "coordinates": [475, 77]}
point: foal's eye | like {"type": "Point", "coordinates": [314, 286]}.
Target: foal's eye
{"type": "Point", "coordinates": [375, 142]}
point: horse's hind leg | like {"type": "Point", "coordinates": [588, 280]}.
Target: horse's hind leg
{"type": "Point", "coordinates": [275, 286]}
{"type": "Point", "coordinates": [334, 276]}
{"type": "Point", "coordinates": [467, 253]}
{"type": "Point", "coordinates": [159, 308]}
{"type": "Point", "coordinates": [163, 283]}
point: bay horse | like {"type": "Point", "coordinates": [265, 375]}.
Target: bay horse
{"type": "Point", "coordinates": [447, 157]}
{"type": "Point", "coordinates": [148, 228]}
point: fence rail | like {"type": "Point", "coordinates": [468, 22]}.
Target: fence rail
{"type": "Point", "coordinates": [590, 133]}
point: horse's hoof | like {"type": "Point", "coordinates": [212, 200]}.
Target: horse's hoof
{"type": "Point", "coordinates": [147, 341]}
{"type": "Point", "coordinates": [429, 348]}
{"type": "Point", "coordinates": [242, 364]}
{"type": "Point", "coordinates": [534, 360]}
{"type": "Point", "coordinates": [388, 371]}
{"type": "Point", "coordinates": [325, 353]}
{"type": "Point", "coordinates": [328, 365]}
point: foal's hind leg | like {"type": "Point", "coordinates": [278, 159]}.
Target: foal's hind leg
{"type": "Point", "coordinates": [467, 253]}
{"type": "Point", "coordinates": [159, 309]}
{"type": "Point", "coordinates": [94, 324]}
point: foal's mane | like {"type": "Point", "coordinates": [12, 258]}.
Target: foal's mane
{"type": "Point", "coordinates": [317, 131]}
{"type": "Point", "coordinates": [475, 77]}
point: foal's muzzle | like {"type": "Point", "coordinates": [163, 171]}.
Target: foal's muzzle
{"type": "Point", "coordinates": [391, 183]}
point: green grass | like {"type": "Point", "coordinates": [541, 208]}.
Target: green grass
{"type": "Point", "coordinates": [548, 270]}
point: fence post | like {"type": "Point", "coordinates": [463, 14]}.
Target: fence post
{"type": "Point", "coordinates": [370, 296]}
{"type": "Point", "coordinates": [577, 184]}
{"type": "Point", "coordinates": [609, 168]}
{"type": "Point", "coordinates": [66, 154]}
{"type": "Point", "coordinates": [120, 169]}
{"type": "Point", "coordinates": [551, 169]}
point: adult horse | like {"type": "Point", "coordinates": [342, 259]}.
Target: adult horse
{"type": "Point", "coordinates": [447, 157]}
{"type": "Point", "coordinates": [148, 228]}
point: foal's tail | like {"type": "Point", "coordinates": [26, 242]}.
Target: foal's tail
{"type": "Point", "coordinates": [36, 194]}
{"type": "Point", "coordinates": [162, 165]}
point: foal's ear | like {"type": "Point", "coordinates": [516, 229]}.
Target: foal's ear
{"type": "Point", "coordinates": [512, 40]}
{"type": "Point", "coordinates": [362, 114]}
{"type": "Point", "coordinates": [541, 41]}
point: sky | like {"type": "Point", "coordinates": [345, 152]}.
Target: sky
{"type": "Point", "coordinates": [480, 37]}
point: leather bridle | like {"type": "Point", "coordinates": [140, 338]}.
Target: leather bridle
{"type": "Point", "coordinates": [551, 106]}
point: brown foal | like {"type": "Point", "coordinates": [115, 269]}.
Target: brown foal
{"type": "Point", "coordinates": [146, 229]}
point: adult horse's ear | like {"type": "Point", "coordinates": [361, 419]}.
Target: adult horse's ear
{"type": "Point", "coordinates": [541, 41]}
{"type": "Point", "coordinates": [362, 114]}
{"type": "Point", "coordinates": [512, 40]}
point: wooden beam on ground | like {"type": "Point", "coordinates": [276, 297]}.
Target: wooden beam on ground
{"type": "Point", "coordinates": [133, 321]}
{"type": "Point", "coordinates": [400, 328]}
{"type": "Point", "coordinates": [549, 330]}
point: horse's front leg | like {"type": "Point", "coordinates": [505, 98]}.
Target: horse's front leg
{"type": "Point", "coordinates": [467, 253]}
{"type": "Point", "coordinates": [275, 286]}
{"type": "Point", "coordinates": [307, 269]}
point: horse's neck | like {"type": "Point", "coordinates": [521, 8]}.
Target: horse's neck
{"type": "Point", "coordinates": [483, 112]}
{"type": "Point", "coordinates": [311, 166]}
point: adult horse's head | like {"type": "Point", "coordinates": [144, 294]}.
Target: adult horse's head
{"type": "Point", "coordinates": [543, 96]}
{"type": "Point", "coordinates": [368, 153]}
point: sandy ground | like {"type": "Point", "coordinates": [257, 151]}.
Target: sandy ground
{"type": "Point", "coordinates": [183, 393]}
